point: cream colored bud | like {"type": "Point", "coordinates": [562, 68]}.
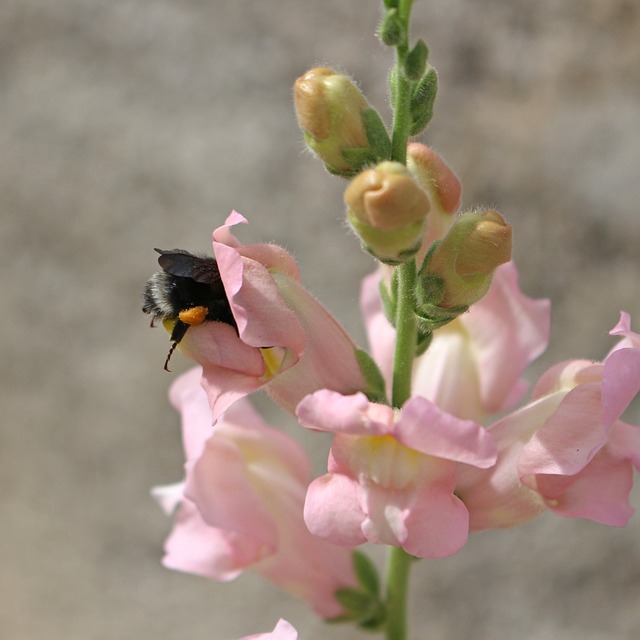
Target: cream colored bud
{"type": "Point", "coordinates": [468, 255]}
{"type": "Point", "coordinates": [387, 197]}
{"type": "Point", "coordinates": [329, 109]}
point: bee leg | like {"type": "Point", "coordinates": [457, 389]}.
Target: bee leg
{"type": "Point", "coordinates": [179, 329]}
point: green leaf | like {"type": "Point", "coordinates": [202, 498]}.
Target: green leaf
{"type": "Point", "coordinates": [422, 101]}
{"type": "Point", "coordinates": [377, 134]}
{"type": "Point", "coordinates": [376, 391]}
{"type": "Point", "coordinates": [367, 573]}
{"type": "Point", "coordinates": [389, 303]}
{"type": "Point", "coordinates": [415, 63]}
{"type": "Point", "coordinates": [357, 603]}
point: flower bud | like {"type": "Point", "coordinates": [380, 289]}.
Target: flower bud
{"type": "Point", "coordinates": [387, 209]}
{"type": "Point", "coordinates": [464, 261]}
{"type": "Point", "coordinates": [329, 108]}
{"type": "Point", "coordinates": [441, 184]}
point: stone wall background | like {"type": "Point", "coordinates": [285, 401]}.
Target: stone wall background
{"type": "Point", "coordinates": [129, 124]}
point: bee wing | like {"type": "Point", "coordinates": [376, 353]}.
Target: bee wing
{"type": "Point", "coordinates": [178, 262]}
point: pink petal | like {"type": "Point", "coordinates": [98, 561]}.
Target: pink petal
{"type": "Point", "coordinates": [381, 335]}
{"type": "Point", "coordinates": [625, 442]}
{"type": "Point", "coordinates": [327, 410]}
{"type": "Point", "coordinates": [620, 383]}
{"type": "Point", "coordinates": [424, 427]}
{"type": "Point", "coordinates": [283, 631]}
{"type": "Point", "coordinates": [569, 438]}
{"type": "Point", "coordinates": [263, 318]}
{"type": "Point", "coordinates": [218, 484]}
{"type": "Point", "coordinates": [438, 525]}
{"type": "Point", "coordinates": [600, 492]}
{"type": "Point", "coordinates": [509, 331]}
{"type": "Point", "coordinates": [332, 510]}
{"type": "Point", "coordinates": [195, 547]}
{"type": "Point", "coordinates": [329, 359]}
{"type": "Point", "coordinates": [630, 339]}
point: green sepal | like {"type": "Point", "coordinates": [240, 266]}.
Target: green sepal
{"type": "Point", "coordinates": [377, 134]}
{"type": "Point", "coordinates": [389, 301]}
{"type": "Point", "coordinates": [376, 387]}
{"type": "Point", "coordinates": [432, 317]}
{"type": "Point", "coordinates": [393, 77]}
{"type": "Point", "coordinates": [391, 31]}
{"type": "Point", "coordinates": [422, 100]}
{"type": "Point", "coordinates": [358, 158]}
{"type": "Point", "coordinates": [423, 341]}
{"type": "Point", "coordinates": [366, 573]}
{"type": "Point", "coordinates": [366, 610]}
{"type": "Point", "coordinates": [415, 64]}
{"type": "Point", "coordinates": [341, 173]}
{"type": "Point", "coordinates": [391, 4]}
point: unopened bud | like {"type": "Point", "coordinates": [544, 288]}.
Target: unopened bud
{"type": "Point", "coordinates": [442, 185]}
{"type": "Point", "coordinates": [468, 255]}
{"type": "Point", "coordinates": [388, 210]}
{"type": "Point", "coordinates": [329, 108]}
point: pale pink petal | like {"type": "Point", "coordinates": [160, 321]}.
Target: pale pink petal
{"type": "Point", "coordinates": [195, 547]}
{"type": "Point", "coordinates": [509, 331]}
{"type": "Point", "coordinates": [600, 492]}
{"type": "Point", "coordinates": [625, 442]}
{"type": "Point", "coordinates": [263, 318]}
{"type": "Point", "coordinates": [283, 631]}
{"type": "Point", "coordinates": [220, 487]}
{"type": "Point", "coordinates": [569, 438]}
{"type": "Point", "coordinates": [332, 510]}
{"type": "Point", "coordinates": [448, 375]}
{"type": "Point", "coordinates": [330, 411]}
{"type": "Point", "coordinates": [630, 339]}
{"type": "Point", "coordinates": [620, 383]}
{"type": "Point", "coordinates": [564, 376]}
{"type": "Point", "coordinates": [437, 524]}
{"type": "Point", "coordinates": [223, 233]}
{"type": "Point", "coordinates": [329, 358]}
{"type": "Point", "coordinates": [381, 335]}
{"type": "Point", "coordinates": [424, 427]}
{"type": "Point", "coordinates": [187, 396]}
{"type": "Point", "coordinates": [168, 496]}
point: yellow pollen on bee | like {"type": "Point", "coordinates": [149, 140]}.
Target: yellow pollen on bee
{"type": "Point", "coordinates": [193, 316]}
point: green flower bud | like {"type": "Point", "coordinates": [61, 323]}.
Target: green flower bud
{"type": "Point", "coordinates": [390, 31]}
{"type": "Point", "coordinates": [387, 209]}
{"type": "Point", "coordinates": [330, 108]}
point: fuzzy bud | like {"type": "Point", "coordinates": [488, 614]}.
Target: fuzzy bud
{"type": "Point", "coordinates": [464, 261]}
{"type": "Point", "coordinates": [330, 108]}
{"type": "Point", "coordinates": [388, 209]}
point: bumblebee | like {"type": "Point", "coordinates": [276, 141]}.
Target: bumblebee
{"type": "Point", "coordinates": [188, 291]}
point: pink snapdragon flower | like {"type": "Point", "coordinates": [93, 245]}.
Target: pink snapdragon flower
{"type": "Point", "coordinates": [283, 631]}
{"type": "Point", "coordinates": [240, 506]}
{"type": "Point", "coordinates": [286, 341]}
{"type": "Point", "coordinates": [567, 450]}
{"type": "Point", "coordinates": [391, 475]}
{"type": "Point", "coordinates": [473, 366]}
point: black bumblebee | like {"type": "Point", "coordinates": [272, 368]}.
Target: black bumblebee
{"type": "Point", "coordinates": [189, 291]}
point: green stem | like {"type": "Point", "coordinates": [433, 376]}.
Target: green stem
{"type": "Point", "coordinates": [397, 589]}
{"type": "Point", "coordinates": [405, 348]}
{"type": "Point", "coordinates": [399, 561]}
{"type": "Point", "coordinates": [401, 108]}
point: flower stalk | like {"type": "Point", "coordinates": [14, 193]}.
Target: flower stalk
{"type": "Point", "coordinates": [406, 332]}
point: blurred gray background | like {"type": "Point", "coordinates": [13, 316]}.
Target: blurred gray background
{"type": "Point", "coordinates": [130, 124]}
